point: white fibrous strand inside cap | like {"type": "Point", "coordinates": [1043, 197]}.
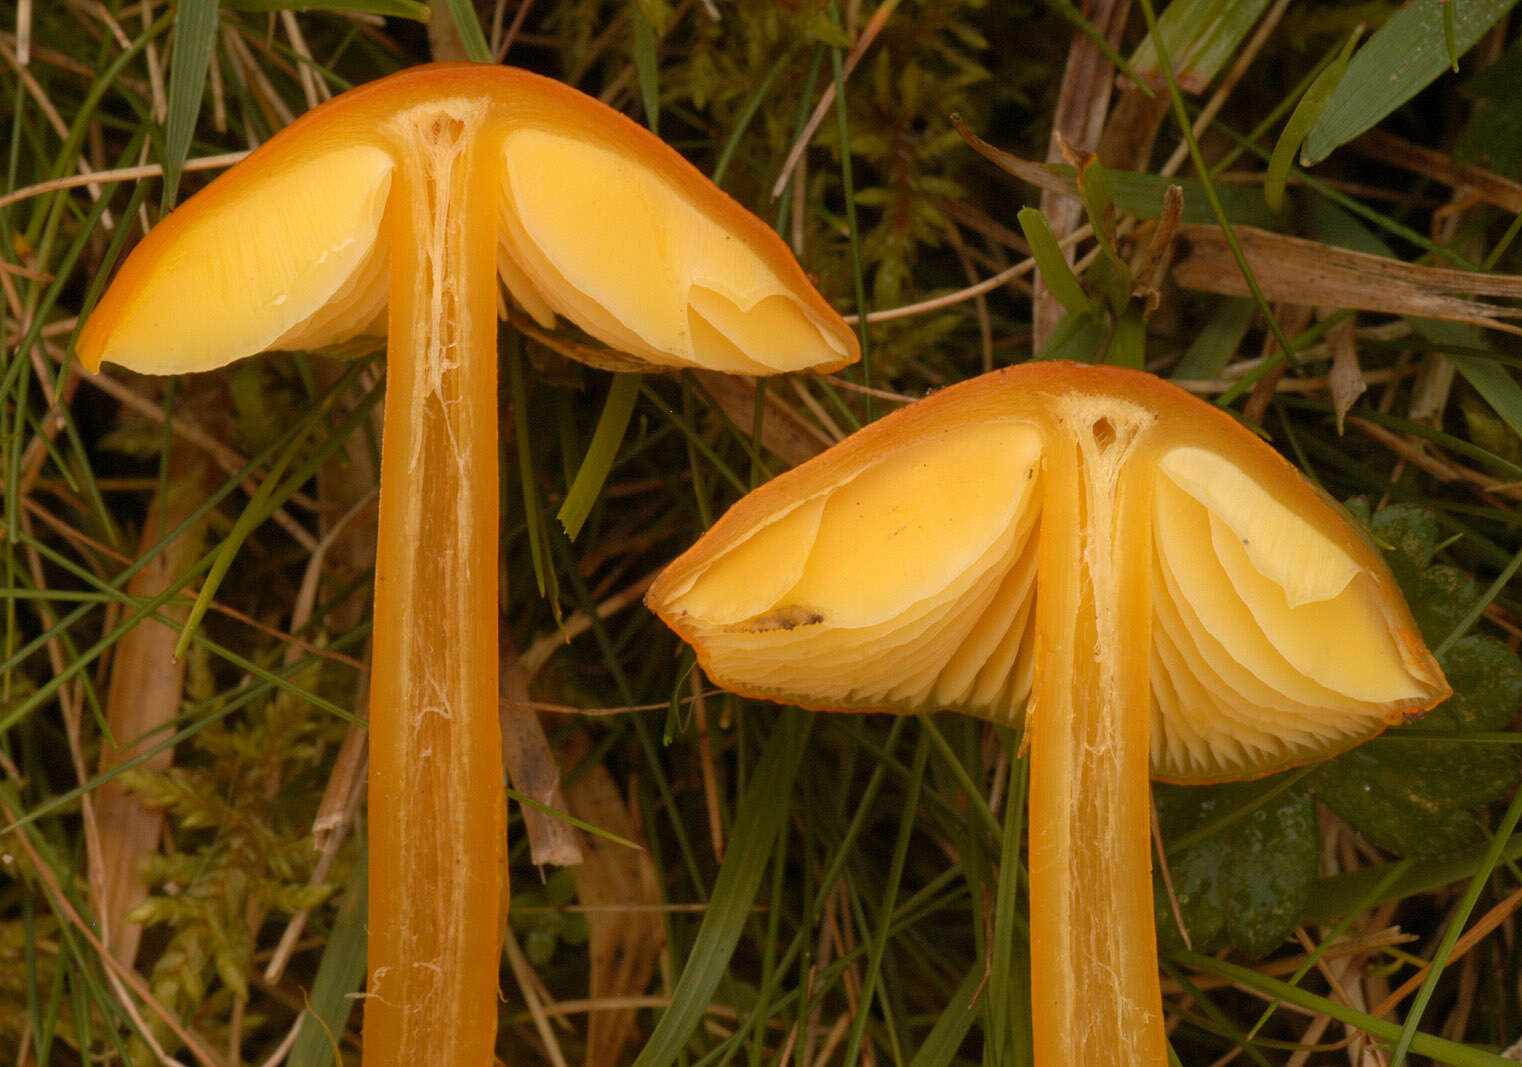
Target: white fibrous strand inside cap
{"type": "Point", "coordinates": [1271, 645]}
{"type": "Point", "coordinates": [906, 584]}
{"type": "Point", "coordinates": [599, 237]}
{"type": "Point", "coordinates": [295, 261]}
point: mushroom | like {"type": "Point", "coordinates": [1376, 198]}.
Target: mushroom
{"type": "Point", "coordinates": [394, 208]}
{"type": "Point", "coordinates": [1152, 582]}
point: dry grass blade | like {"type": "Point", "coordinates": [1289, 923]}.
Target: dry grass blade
{"type": "Point", "coordinates": [868, 35]}
{"type": "Point", "coordinates": [1082, 102]}
{"type": "Point", "coordinates": [529, 763]}
{"type": "Point", "coordinates": [1479, 183]}
{"type": "Point", "coordinates": [578, 623]}
{"type": "Point", "coordinates": [625, 944]}
{"type": "Point", "coordinates": [784, 431]}
{"type": "Point", "coordinates": [1438, 467]}
{"type": "Point", "coordinates": [1346, 379]}
{"type": "Point", "coordinates": [1293, 270]}
{"type": "Point", "coordinates": [147, 683]}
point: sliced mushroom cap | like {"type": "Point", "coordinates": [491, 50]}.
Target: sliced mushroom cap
{"type": "Point", "coordinates": [397, 208]}
{"type": "Point", "coordinates": [598, 221]}
{"type": "Point", "coordinates": [899, 572]}
{"type": "Point", "coordinates": [1159, 587]}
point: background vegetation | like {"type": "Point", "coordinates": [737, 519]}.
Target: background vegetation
{"type": "Point", "coordinates": [864, 871]}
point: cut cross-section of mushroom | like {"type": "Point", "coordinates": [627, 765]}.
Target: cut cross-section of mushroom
{"type": "Point", "coordinates": [396, 207]}
{"type": "Point", "coordinates": [1160, 590]}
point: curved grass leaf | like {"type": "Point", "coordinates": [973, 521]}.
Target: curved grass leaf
{"type": "Point", "coordinates": [1458, 919]}
{"type": "Point", "coordinates": [1306, 112]}
{"type": "Point", "coordinates": [645, 65]}
{"type": "Point", "coordinates": [601, 453]}
{"type": "Point", "coordinates": [1336, 895]}
{"type": "Point", "coordinates": [952, 1025]}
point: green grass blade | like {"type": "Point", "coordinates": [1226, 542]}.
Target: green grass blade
{"type": "Point", "coordinates": [1215, 345]}
{"type": "Point", "coordinates": [1495, 384]}
{"type": "Point", "coordinates": [601, 453]}
{"type": "Point", "coordinates": [909, 808]}
{"type": "Point", "coordinates": [647, 69]}
{"type": "Point", "coordinates": [752, 105]}
{"type": "Point", "coordinates": [1438, 1048]}
{"type": "Point", "coordinates": [463, 12]}
{"type": "Point", "coordinates": [1334, 896]}
{"type": "Point", "coordinates": [1009, 989]}
{"type": "Point", "coordinates": [759, 818]}
{"type": "Point", "coordinates": [1202, 36]}
{"type": "Point", "coordinates": [1181, 116]}
{"type": "Point", "coordinates": [1457, 920]}
{"type": "Point", "coordinates": [195, 31]}
{"type": "Point", "coordinates": [952, 1026]}
{"type": "Point", "coordinates": [338, 978]}
{"type": "Point", "coordinates": [1052, 264]}
{"type": "Point", "coordinates": [848, 191]}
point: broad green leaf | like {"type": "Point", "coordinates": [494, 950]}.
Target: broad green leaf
{"type": "Point", "coordinates": [1245, 884]}
{"type": "Point", "coordinates": [1200, 36]}
{"type": "Point", "coordinates": [1486, 677]}
{"type": "Point", "coordinates": [1402, 58]}
{"type": "Point", "coordinates": [1414, 797]}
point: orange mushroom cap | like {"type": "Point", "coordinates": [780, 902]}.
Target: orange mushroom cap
{"type": "Point", "coordinates": [1154, 584]}
{"type": "Point", "coordinates": [598, 221]}
{"type": "Point", "coordinates": [899, 572]}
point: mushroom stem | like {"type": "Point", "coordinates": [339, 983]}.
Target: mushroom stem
{"type": "Point", "coordinates": [1094, 982]}
{"type": "Point", "coordinates": [436, 793]}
